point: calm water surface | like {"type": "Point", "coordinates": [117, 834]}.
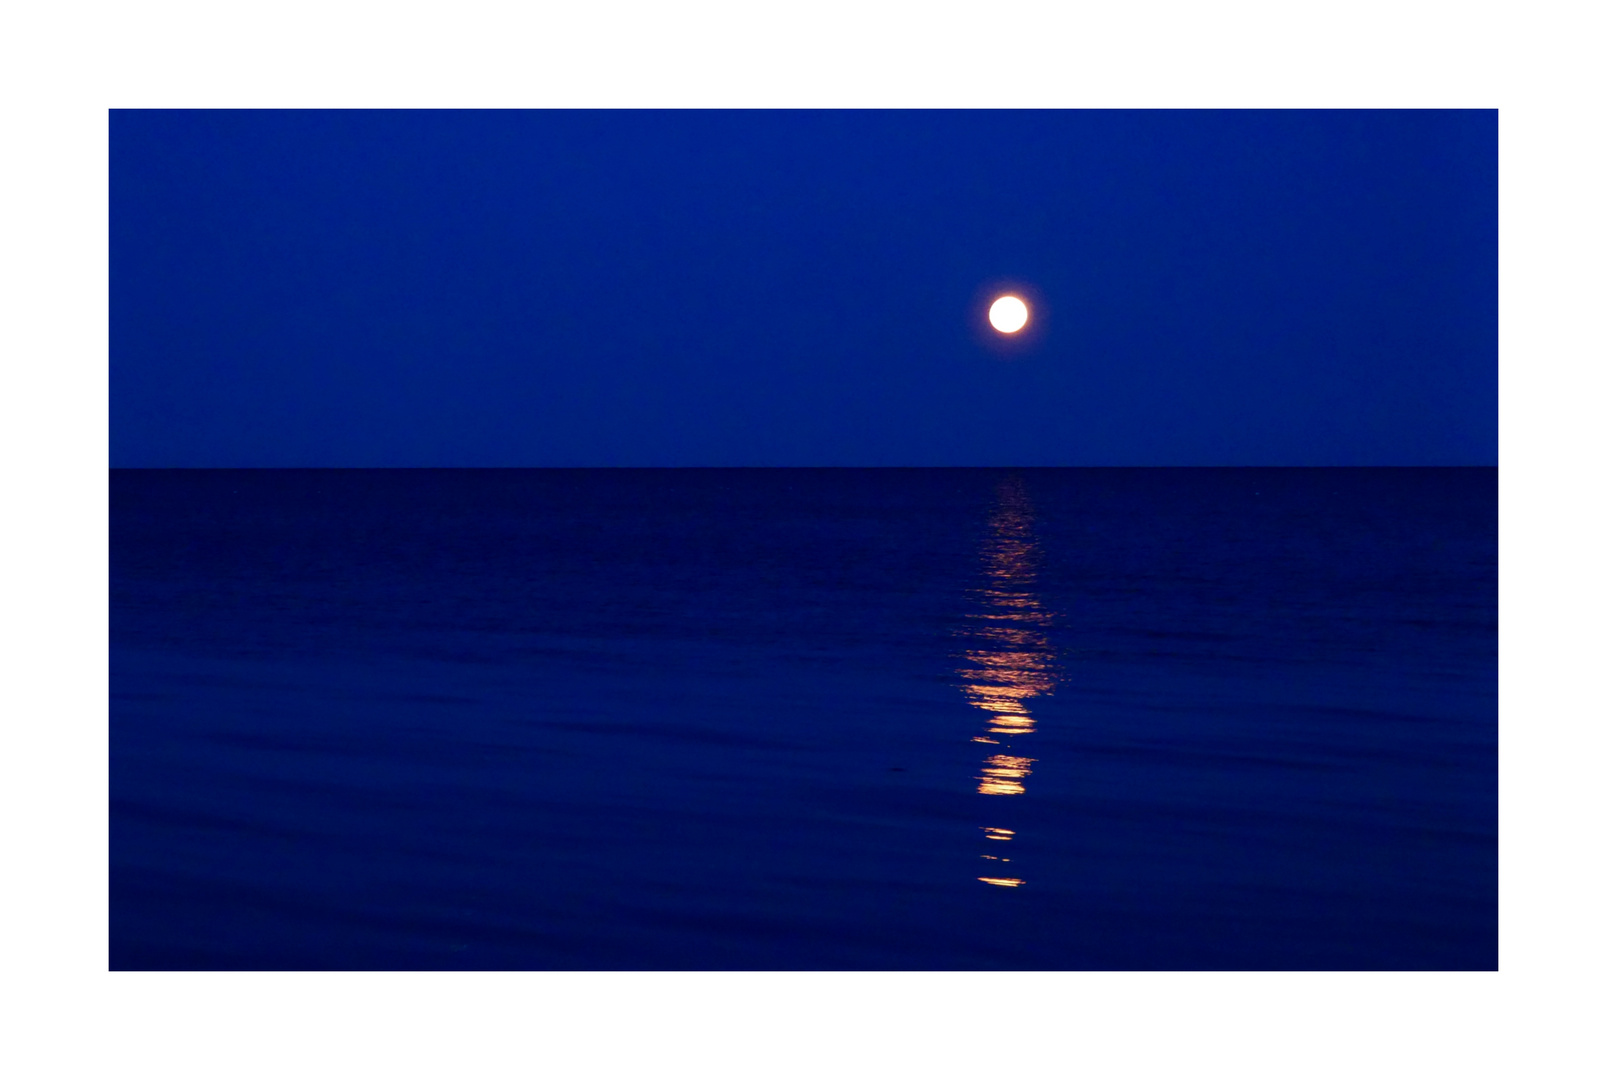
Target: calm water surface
{"type": "Point", "coordinates": [855, 718]}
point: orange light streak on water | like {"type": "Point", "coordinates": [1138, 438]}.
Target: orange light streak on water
{"type": "Point", "coordinates": [1011, 661]}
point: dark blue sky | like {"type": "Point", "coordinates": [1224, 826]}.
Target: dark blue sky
{"type": "Point", "coordinates": [801, 288]}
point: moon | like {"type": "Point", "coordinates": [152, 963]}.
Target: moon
{"type": "Point", "coordinates": [1008, 314]}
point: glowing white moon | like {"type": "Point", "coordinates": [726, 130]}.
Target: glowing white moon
{"type": "Point", "coordinates": [1008, 314]}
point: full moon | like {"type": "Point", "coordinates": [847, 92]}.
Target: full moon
{"type": "Point", "coordinates": [1008, 314]}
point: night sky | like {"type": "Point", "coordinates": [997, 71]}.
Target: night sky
{"type": "Point", "coordinates": [532, 289]}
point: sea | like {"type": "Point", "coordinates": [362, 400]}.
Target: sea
{"type": "Point", "coordinates": [803, 719]}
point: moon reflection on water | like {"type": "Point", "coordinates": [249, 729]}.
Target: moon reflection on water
{"type": "Point", "coordinates": [1011, 661]}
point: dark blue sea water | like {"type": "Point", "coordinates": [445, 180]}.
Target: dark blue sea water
{"type": "Point", "coordinates": [774, 718]}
